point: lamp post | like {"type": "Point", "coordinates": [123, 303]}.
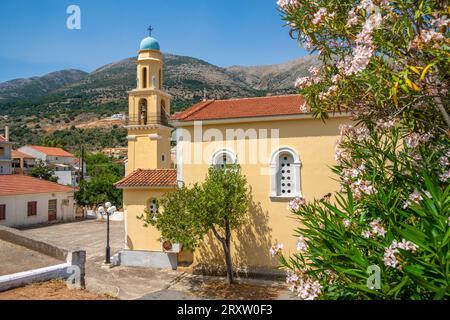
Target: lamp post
{"type": "Point", "coordinates": [109, 211]}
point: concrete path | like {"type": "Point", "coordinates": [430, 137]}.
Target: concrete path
{"type": "Point", "coordinates": [133, 283]}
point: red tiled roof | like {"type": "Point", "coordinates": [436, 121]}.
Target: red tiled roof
{"type": "Point", "coordinates": [50, 151]}
{"type": "Point", "coordinates": [17, 154]}
{"type": "Point", "coordinates": [13, 184]}
{"type": "Point", "coordinates": [242, 108]}
{"type": "Point", "coordinates": [149, 178]}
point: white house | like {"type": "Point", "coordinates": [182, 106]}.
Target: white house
{"type": "Point", "coordinates": [28, 201]}
{"type": "Point", "coordinates": [5, 153]}
{"type": "Point", "coordinates": [65, 163]}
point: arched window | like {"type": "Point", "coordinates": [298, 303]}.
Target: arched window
{"type": "Point", "coordinates": [152, 206]}
{"type": "Point", "coordinates": [143, 112]}
{"type": "Point", "coordinates": [222, 158]}
{"type": "Point", "coordinates": [285, 173]}
{"type": "Point", "coordinates": [144, 78]}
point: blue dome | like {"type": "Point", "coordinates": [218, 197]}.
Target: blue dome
{"type": "Point", "coordinates": [149, 43]}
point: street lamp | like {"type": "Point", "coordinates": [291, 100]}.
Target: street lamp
{"type": "Point", "coordinates": [109, 211]}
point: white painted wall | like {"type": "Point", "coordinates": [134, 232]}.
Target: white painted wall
{"type": "Point", "coordinates": [17, 208]}
{"type": "Point", "coordinates": [65, 177]}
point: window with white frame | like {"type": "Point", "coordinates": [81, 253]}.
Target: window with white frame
{"type": "Point", "coordinates": [152, 206]}
{"type": "Point", "coordinates": [222, 158]}
{"type": "Point", "coordinates": [285, 170]}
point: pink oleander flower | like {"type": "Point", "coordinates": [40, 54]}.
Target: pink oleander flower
{"type": "Point", "coordinates": [287, 5]}
{"type": "Point", "coordinates": [444, 161]}
{"type": "Point", "coordinates": [352, 18]}
{"type": "Point", "coordinates": [303, 108]}
{"type": "Point", "coordinates": [366, 5]}
{"type": "Point", "coordinates": [320, 16]}
{"type": "Point", "coordinates": [415, 198]}
{"type": "Point", "coordinates": [303, 82]}
{"type": "Point", "coordinates": [297, 203]}
{"type": "Point", "coordinates": [431, 36]}
{"type": "Point", "coordinates": [377, 228]}
{"type": "Point", "coordinates": [308, 289]}
{"type": "Point", "coordinates": [360, 188]}
{"type": "Point", "coordinates": [385, 124]}
{"type": "Point", "coordinates": [347, 223]}
{"type": "Point", "coordinates": [413, 140]}
{"type": "Point", "coordinates": [336, 78]}
{"type": "Point", "coordinates": [366, 234]}
{"type": "Point", "coordinates": [346, 129]}
{"type": "Point", "coordinates": [390, 259]}
{"type": "Point", "coordinates": [315, 71]}
{"type": "Point", "coordinates": [445, 176]}
{"type": "Point", "coordinates": [331, 91]}
{"type": "Point", "coordinates": [302, 245]}
{"type": "Point", "coordinates": [274, 250]}
{"type": "Point", "coordinates": [291, 277]}
{"type": "Point", "coordinates": [439, 22]}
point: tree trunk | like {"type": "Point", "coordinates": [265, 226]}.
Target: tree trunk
{"type": "Point", "coordinates": [227, 250]}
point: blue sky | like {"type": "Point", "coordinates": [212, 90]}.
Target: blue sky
{"type": "Point", "coordinates": [34, 39]}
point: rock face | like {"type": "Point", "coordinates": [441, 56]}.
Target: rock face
{"type": "Point", "coordinates": [185, 78]}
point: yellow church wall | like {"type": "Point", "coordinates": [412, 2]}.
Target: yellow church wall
{"type": "Point", "coordinates": [269, 221]}
{"type": "Point", "coordinates": [139, 237]}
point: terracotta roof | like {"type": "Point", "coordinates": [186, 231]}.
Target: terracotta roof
{"type": "Point", "coordinates": [149, 178]}
{"type": "Point", "coordinates": [50, 151]}
{"type": "Point", "coordinates": [242, 108]}
{"type": "Point", "coordinates": [15, 184]}
{"type": "Point", "coordinates": [17, 154]}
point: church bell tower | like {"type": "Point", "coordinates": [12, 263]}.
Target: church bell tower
{"type": "Point", "coordinates": [148, 112]}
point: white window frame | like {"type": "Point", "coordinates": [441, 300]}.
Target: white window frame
{"type": "Point", "coordinates": [220, 152]}
{"type": "Point", "coordinates": [274, 167]}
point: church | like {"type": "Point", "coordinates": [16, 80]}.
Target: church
{"type": "Point", "coordinates": [283, 150]}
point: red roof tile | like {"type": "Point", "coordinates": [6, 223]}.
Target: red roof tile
{"type": "Point", "coordinates": [20, 184]}
{"type": "Point", "coordinates": [149, 178]}
{"type": "Point", "coordinates": [50, 151]}
{"type": "Point", "coordinates": [242, 108]}
{"type": "Point", "coordinates": [17, 154]}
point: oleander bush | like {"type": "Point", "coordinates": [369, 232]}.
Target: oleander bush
{"type": "Point", "coordinates": [386, 63]}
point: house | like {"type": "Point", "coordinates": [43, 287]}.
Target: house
{"type": "Point", "coordinates": [64, 163]}
{"type": "Point", "coordinates": [5, 153]}
{"type": "Point", "coordinates": [26, 201]}
{"type": "Point", "coordinates": [22, 163]}
{"type": "Point", "coordinates": [283, 150]}
{"type": "Point", "coordinates": [116, 153]}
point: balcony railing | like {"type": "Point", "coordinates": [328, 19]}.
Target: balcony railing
{"type": "Point", "coordinates": [151, 118]}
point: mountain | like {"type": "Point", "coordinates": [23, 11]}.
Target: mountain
{"type": "Point", "coordinates": [39, 86]}
{"type": "Point", "coordinates": [185, 78]}
{"type": "Point", "coordinates": [273, 78]}
{"type": "Point", "coordinates": [71, 107]}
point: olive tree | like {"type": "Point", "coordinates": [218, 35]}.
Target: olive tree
{"type": "Point", "coordinates": [218, 205]}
